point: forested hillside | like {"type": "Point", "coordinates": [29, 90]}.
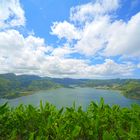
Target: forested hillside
{"type": "Point", "coordinates": [12, 85]}
{"type": "Point", "coordinates": [131, 89]}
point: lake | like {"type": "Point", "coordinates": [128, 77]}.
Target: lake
{"type": "Point", "coordinates": [66, 96]}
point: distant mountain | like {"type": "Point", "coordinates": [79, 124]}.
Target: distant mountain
{"type": "Point", "coordinates": [67, 82]}
{"type": "Point", "coordinates": [12, 85]}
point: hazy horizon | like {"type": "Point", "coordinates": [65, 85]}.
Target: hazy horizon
{"type": "Point", "coordinates": [73, 77]}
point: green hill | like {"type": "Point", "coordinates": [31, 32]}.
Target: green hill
{"type": "Point", "coordinates": [12, 86]}
{"type": "Point", "coordinates": [132, 89]}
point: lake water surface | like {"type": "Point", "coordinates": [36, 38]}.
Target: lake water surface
{"type": "Point", "coordinates": [66, 96]}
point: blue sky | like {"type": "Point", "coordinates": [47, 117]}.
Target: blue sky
{"type": "Point", "coordinates": [40, 14]}
{"type": "Point", "coordinates": [77, 39]}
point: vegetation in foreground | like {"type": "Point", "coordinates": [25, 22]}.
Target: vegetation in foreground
{"type": "Point", "coordinates": [99, 122]}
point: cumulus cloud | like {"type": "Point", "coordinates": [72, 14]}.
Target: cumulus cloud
{"type": "Point", "coordinates": [123, 38]}
{"type": "Point", "coordinates": [111, 68]}
{"type": "Point", "coordinates": [29, 55]}
{"type": "Point", "coordinates": [111, 38]}
{"type": "Point", "coordinates": [76, 68]}
{"type": "Point", "coordinates": [93, 37]}
{"type": "Point", "coordinates": [64, 51]}
{"type": "Point", "coordinates": [91, 32]}
{"type": "Point", "coordinates": [65, 30]}
{"type": "Point", "coordinates": [138, 65]}
{"type": "Point", "coordinates": [101, 34]}
{"type": "Point", "coordinates": [18, 53]}
{"type": "Point", "coordinates": [89, 11]}
{"type": "Point", "coordinates": [11, 14]}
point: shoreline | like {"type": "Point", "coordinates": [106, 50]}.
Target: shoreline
{"type": "Point", "coordinates": [122, 92]}
{"type": "Point", "coordinates": [28, 92]}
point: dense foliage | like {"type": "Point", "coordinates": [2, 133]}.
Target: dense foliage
{"type": "Point", "coordinates": [99, 122]}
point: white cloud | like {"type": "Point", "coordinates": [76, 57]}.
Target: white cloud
{"type": "Point", "coordinates": [110, 38]}
{"type": "Point", "coordinates": [89, 11]}
{"type": "Point", "coordinates": [81, 69]}
{"type": "Point", "coordinates": [138, 66]}
{"type": "Point", "coordinates": [65, 30]}
{"type": "Point", "coordinates": [20, 54]}
{"type": "Point", "coordinates": [113, 69]}
{"type": "Point", "coordinates": [64, 51]}
{"type": "Point", "coordinates": [63, 67]}
{"type": "Point", "coordinates": [93, 37]}
{"type": "Point", "coordinates": [99, 36]}
{"type": "Point", "coordinates": [11, 14]}
{"type": "Point", "coordinates": [27, 55]}
{"type": "Point", "coordinates": [123, 38]}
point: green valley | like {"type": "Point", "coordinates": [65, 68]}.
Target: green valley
{"type": "Point", "coordinates": [12, 86]}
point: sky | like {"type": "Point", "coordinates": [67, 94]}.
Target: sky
{"type": "Point", "coordinates": [70, 38]}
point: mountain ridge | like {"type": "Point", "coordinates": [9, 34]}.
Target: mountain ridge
{"type": "Point", "coordinates": [12, 85]}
